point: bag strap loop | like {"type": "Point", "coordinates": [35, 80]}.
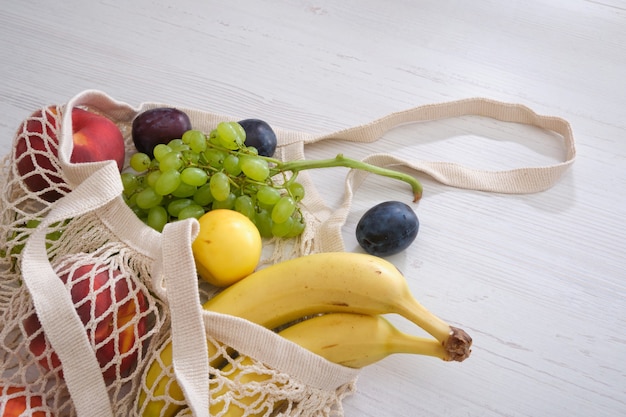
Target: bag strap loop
{"type": "Point", "coordinates": [189, 346]}
{"type": "Point", "coordinates": [522, 180]}
{"type": "Point", "coordinates": [514, 181]}
{"type": "Point", "coordinates": [53, 303]}
{"type": "Point", "coordinates": [253, 340]}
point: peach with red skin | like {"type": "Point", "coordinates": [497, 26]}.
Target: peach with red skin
{"type": "Point", "coordinates": [18, 402]}
{"type": "Point", "coordinates": [95, 138]}
{"type": "Point", "coordinates": [113, 331]}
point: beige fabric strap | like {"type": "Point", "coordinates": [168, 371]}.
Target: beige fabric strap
{"type": "Point", "coordinates": [517, 180]}
{"type": "Point", "coordinates": [253, 340]}
{"type": "Point", "coordinates": [53, 302]}
{"type": "Point", "coordinates": [189, 345]}
{"type": "Point", "coordinates": [520, 180]}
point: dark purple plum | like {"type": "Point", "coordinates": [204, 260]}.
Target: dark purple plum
{"type": "Point", "coordinates": [387, 228]}
{"type": "Point", "coordinates": [260, 135]}
{"type": "Point", "coordinates": [159, 125]}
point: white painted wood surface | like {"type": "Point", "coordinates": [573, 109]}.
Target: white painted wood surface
{"type": "Point", "coordinates": [537, 280]}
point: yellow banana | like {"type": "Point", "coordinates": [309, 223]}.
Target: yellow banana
{"type": "Point", "coordinates": [359, 340]}
{"type": "Point", "coordinates": [353, 340]}
{"type": "Point", "coordinates": [314, 284]}
{"type": "Point", "coordinates": [236, 407]}
{"type": "Point", "coordinates": [331, 282]}
{"type": "Point", "coordinates": [161, 384]}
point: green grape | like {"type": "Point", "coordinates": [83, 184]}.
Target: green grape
{"type": "Point", "coordinates": [193, 210]}
{"type": "Point", "coordinates": [203, 196]}
{"type": "Point", "coordinates": [227, 144]}
{"type": "Point", "coordinates": [215, 157]}
{"type": "Point", "coordinates": [251, 150]}
{"type": "Point", "coordinates": [267, 207]}
{"type": "Point", "coordinates": [168, 182]}
{"type": "Point", "coordinates": [148, 198]}
{"type": "Point", "coordinates": [263, 222]}
{"type": "Point", "coordinates": [213, 138]}
{"type": "Point", "coordinates": [282, 229]}
{"type": "Point", "coordinates": [160, 151]}
{"type": "Point", "coordinates": [139, 212]}
{"type": "Point", "coordinates": [54, 234]}
{"type": "Point", "coordinates": [139, 161]}
{"type": "Point", "coordinates": [191, 157]}
{"type": "Point", "coordinates": [175, 206]}
{"type": "Point", "coordinates": [245, 206]}
{"type": "Point", "coordinates": [32, 223]}
{"type": "Point", "coordinates": [255, 168]}
{"type": "Point", "coordinates": [157, 218]}
{"type": "Point", "coordinates": [249, 189]}
{"type": "Point", "coordinates": [268, 195]}
{"type": "Point", "coordinates": [220, 186]}
{"type": "Point", "coordinates": [130, 182]}
{"type": "Point", "coordinates": [131, 200]}
{"type": "Point", "coordinates": [231, 165]}
{"type": "Point", "coordinates": [297, 227]}
{"type": "Point", "coordinates": [177, 144]}
{"type": "Point", "coordinates": [171, 161]}
{"type": "Point", "coordinates": [184, 190]}
{"type": "Point", "coordinates": [231, 135]}
{"type": "Point", "coordinates": [196, 140]}
{"type": "Point", "coordinates": [194, 176]}
{"type": "Point", "coordinates": [152, 178]}
{"type": "Point", "coordinates": [186, 137]}
{"type": "Point", "coordinates": [283, 209]}
{"type": "Point", "coordinates": [227, 203]}
{"type": "Point", "coordinates": [296, 190]}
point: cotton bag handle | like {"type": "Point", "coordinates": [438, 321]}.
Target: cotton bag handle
{"type": "Point", "coordinates": [515, 181]}
{"type": "Point", "coordinates": [253, 340]}
{"type": "Point", "coordinates": [53, 303]}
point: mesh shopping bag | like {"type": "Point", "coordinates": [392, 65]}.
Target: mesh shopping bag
{"type": "Point", "coordinates": [93, 298]}
{"type": "Point", "coordinates": [90, 293]}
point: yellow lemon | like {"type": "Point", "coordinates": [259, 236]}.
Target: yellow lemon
{"type": "Point", "coordinates": [227, 248]}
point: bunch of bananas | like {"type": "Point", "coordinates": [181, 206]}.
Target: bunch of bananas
{"type": "Point", "coordinates": [329, 303]}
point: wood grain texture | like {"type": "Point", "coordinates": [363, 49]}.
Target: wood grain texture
{"type": "Point", "coordinates": [538, 280]}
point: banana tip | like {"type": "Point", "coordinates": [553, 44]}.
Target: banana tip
{"type": "Point", "coordinates": [458, 345]}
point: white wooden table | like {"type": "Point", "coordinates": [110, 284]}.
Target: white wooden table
{"type": "Point", "coordinates": [536, 279]}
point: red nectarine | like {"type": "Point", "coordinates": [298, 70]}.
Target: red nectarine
{"type": "Point", "coordinates": [16, 401]}
{"type": "Point", "coordinates": [107, 304]}
{"type": "Point", "coordinates": [95, 138]}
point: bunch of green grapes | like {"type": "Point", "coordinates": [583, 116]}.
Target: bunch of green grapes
{"type": "Point", "coordinates": [194, 174]}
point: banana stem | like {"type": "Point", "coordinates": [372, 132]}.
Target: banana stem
{"type": "Point", "coordinates": [458, 345]}
{"type": "Point", "coordinates": [456, 348]}
{"type": "Point", "coordinates": [418, 314]}
{"type": "Point", "coordinates": [342, 161]}
{"type": "Point", "coordinates": [456, 342]}
{"type": "Point", "coordinates": [404, 343]}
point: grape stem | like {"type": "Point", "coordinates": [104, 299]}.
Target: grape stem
{"type": "Point", "coordinates": [342, 161]}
